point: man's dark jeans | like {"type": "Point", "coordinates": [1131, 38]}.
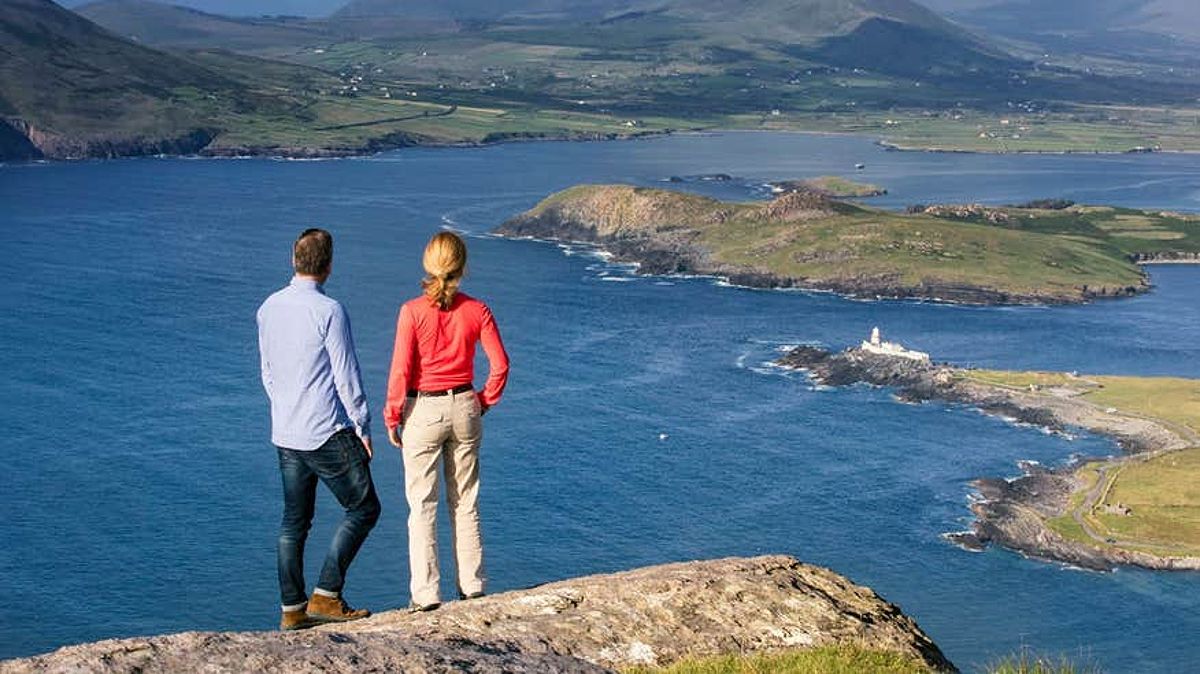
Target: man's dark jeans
{"type": "Point", "coordinates": [342, 464]}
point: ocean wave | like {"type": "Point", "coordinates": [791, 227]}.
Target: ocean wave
{"type": "Point", "coordinates": [771, 368]}
{"type": "Point", "coordinates": [300, 159]}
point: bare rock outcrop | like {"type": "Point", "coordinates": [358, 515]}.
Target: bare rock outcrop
{"type": "Point", "coordinates": [654, 615]}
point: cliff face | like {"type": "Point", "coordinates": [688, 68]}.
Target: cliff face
{"type": "Point", "coordinates": [14, 144]}
{"type": "Point", "coordinates": [22, 140]}
{"type": "Point", "coordinates": [72, 89]}
{"type": "Point", "coordinates": [654, 615]}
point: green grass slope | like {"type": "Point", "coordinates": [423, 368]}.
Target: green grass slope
{"type": "Point", "coordinates": [808, 240]}
{"type": "Point", "coordinates": [74, 89]}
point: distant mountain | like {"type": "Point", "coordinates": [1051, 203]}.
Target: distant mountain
{"type": "Point", "coordinates": [248, 8]}
{"type": "Point", "coordinates": [1097, 25]}
{"type": "Point", "coordinates": [894, 36]}
{"type": "Point", "coordinates": [70, 88]}
{"type": "Point", "coordinates": [807, 17]}
{"type": "Point", "coordinates": [161, 24]}
{"type": "Point", "coordinates": [487, 10]}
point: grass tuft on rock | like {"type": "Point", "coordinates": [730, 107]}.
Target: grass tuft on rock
{"type": "Point", "coordinates": [825, 660]}
{"type": "Point", "coordinates": [1029, 663]}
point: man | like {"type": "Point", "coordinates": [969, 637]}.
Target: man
{"type": "Point", "coordinates": [320, 424]}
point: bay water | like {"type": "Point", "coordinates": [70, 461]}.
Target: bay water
{"type": "Point", "coordinates": [643, 422]}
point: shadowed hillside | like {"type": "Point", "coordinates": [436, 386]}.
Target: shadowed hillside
{"type": "Point", "coordinates": [1180, 18]}
{"type": "Point", "coordinates": [74, 89]}
{"type": "Point", "coordinates": [156, 23]}
{"type": "Point", "coordinates": [1120, 31]}
{"type": "Point", "coordinates": [389, 73]}
{"type": "Point", "coordinates": [486, 9]}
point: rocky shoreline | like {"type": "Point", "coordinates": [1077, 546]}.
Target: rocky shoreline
{"type": "Point", "coordinates": [20, 142]}
{"type": "Point", "coordinates": [1010, 513]}
{"type": "Point", "coordinates": [1170, 257]}
{"type": "Point", "coordinates": [651, 616]}
{"type": "Point", "coordinates": [670, 253]}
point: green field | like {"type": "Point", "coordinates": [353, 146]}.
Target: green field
{"type": "Point", "coordinates": [1164, 501]}
{"type": "Point", "coordinates": [1162, 492]}
{"type": "Point", "coordinates": [1149, 504]}
{"type": "Point", "coordinates": [915, 251]}
{"type": "Point", "coordinates": [1022, 380]}
{"type": "Point", "coordinates": [1081, 128]}
{"type": "Point", "coordinates": [1171, 399]}
{"type": "Point", "coordinates": [296, 108]}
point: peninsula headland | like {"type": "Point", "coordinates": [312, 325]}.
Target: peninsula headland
{"type": "Point", "coordinates": [1047, 252]}
{"type": "Point", "coordinates": [1136, 509]}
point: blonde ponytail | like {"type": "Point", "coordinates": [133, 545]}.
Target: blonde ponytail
{"type": "Point", "coordinates": [445, 262]}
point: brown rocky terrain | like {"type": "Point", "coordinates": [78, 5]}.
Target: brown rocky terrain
{"type": "Point", "coordinates": [654, 615]}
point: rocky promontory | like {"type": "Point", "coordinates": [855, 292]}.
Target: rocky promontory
{"type": "Point", "coordinates": [803, 238]}
{"type": "Point", "coordinates": [650, 616]}
{"type": "Point", "coordinates": [1011, 513]}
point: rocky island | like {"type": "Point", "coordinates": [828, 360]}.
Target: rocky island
{"type": "Point", "coordinates": [647, 617]}
{"type": "Point", "coordinates": [1135, 509]}
{"type": "Point", "coordinates": [803, 238]}
{"type": "Point", "coordinates": [831, 186]}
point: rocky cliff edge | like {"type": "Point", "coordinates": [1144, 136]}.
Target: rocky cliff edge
{"type": "Point", "coordinates": [647, 616]}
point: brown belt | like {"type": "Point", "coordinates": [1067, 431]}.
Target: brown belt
{"type": "Point", "coordinates": [462, 388]}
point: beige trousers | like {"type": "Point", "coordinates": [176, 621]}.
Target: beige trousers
{"type": "Point", "coordinates": [444, 430]}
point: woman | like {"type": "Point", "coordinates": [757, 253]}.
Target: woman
{"type": "Point", "coordinates": [431, 395]}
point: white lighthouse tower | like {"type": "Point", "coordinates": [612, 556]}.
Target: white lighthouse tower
{"type": "Point", "coordinates": [877, 346]}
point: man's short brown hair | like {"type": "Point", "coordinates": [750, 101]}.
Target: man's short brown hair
{"type": "Point", "coordinates": [313, 253]}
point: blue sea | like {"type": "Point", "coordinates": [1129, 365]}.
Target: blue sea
{"type": "Point", "coordinates": [643, 422]}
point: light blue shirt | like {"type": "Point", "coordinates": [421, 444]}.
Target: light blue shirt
{"type": "Point", "coordinates": [309, 368]}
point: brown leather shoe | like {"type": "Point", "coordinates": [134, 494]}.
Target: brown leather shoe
{"type": "Point", "coordinates": [296, 620]}
{"type": "Point", "coordinates": [333, 609]}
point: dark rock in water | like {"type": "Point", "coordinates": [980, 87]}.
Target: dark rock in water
{"type": "Point", "coordinates": [805, 356]}
{"type": "Point", "coordinates": [1010, 513]}
{"type": "Point", "coordinates": [651, 616]}
{"type": "Point", "coordinates": [967, 539]}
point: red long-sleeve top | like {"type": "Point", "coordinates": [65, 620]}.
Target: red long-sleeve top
{"type": "Point", "coordinates": [435, 351]}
